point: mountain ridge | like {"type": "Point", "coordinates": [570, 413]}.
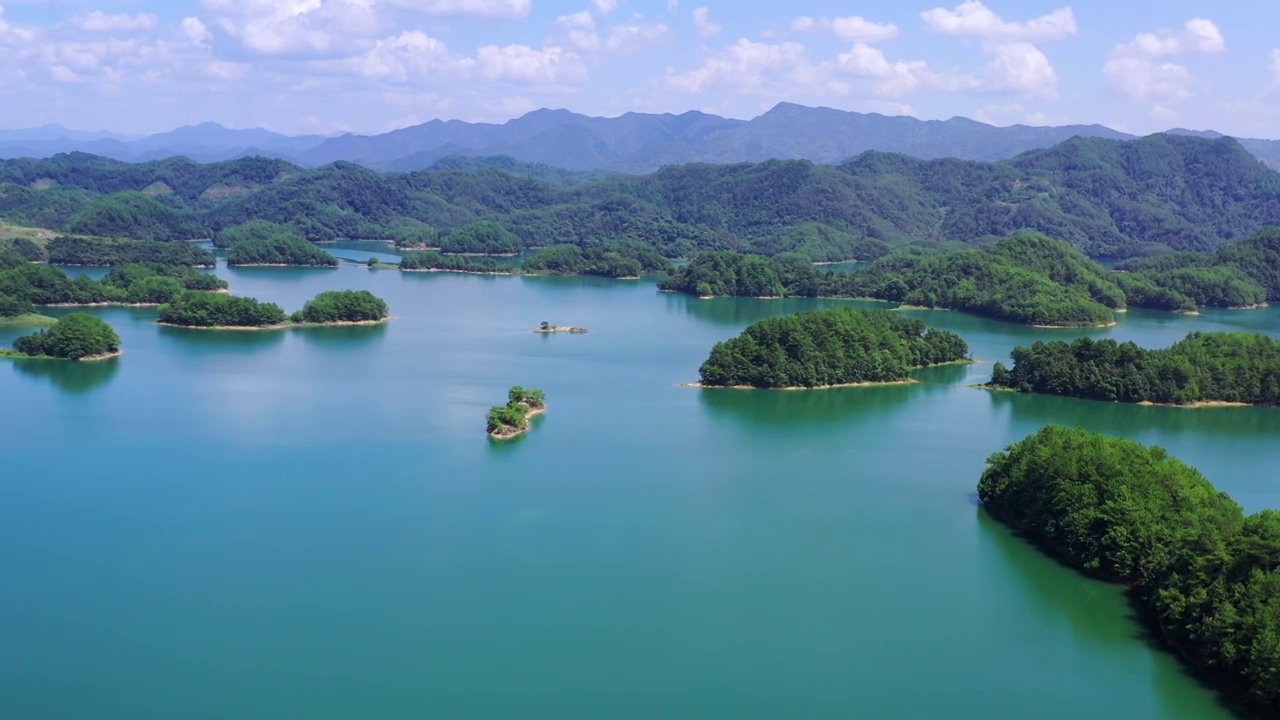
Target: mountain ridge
{"type": "Point", "coordinates": [633, 143]}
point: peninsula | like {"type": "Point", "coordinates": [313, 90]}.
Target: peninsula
{"type": "Point", "coordinates": [1199, 571]}
{"type": "Point", "coordinates": [838, 346]}
{"type": "Point", "coordinates": [508, 421]}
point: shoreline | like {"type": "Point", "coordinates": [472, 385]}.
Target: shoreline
{"type": "Point", "coordinates": [1074, 327]}
{"type": "Point", "coordinates": [873, 383]}
{"type": "Point", "coordinates": [457, 272]}
{"type": "Point", "coordinates": [1198, 405]}
{"type": "Point", "coordinates": [15, 355]}
{"type": "Point", "coordinates": [554, 330]}
{"type": "Point", "coordinates": [286, 265]}
{"type": "Point", "coordinates": [281, 326]}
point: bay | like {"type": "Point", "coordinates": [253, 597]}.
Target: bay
{"type": "Point", "coordinates": [312, 523]}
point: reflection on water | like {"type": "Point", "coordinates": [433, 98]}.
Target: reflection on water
{"type": "Point", "coordinates": [744, 311]}
{"type": "Point", "coordinates": [343, 338]}
{"type": "Point", "coordinates": [804, 408]}
{"type": "Point", "coordinates": [75, 378]}
{"type": "Point", "coordinates": [1123, 418]}
{"type": "Point", "coordinates": [952, 374]}
{"type": "Point", "coordinates": [223, 340]}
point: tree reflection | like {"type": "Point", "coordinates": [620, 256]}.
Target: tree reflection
{"type": "Point", "coordinates": [75, 378]}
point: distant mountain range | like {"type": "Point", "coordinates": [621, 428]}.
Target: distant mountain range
{"type": "Point", "coordinates": [631, 143]}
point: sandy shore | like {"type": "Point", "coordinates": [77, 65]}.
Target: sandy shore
{"type": "Point", "coordinates": [1071, 327]}
{"type": "Point", "coordinates": [282, 326]}
{"type": "Point", "coordinates": [508, 433]}
{"type": "Point", "coordinates": [458, 272]}
{"type": "Point", "coordinates": [908, 381]}
{"type": "Point", "coordinates": [1201, 404]}
{"type": "Point", "coordinates": [14, 355]}
{"type": "Point", "coordinates": [288, 265]}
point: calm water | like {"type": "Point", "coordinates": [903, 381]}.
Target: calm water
{"type": "Point", "coordinates": [313, 524]}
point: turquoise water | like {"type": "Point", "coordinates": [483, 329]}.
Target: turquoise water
{"type": "Point", "coordinates": [313, 523]}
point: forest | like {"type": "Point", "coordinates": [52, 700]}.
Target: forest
{"type": "Point", "coordinates": [211, 310]}
{"type": "Point", "coordinates": [264, 243]}
{"type": "Point", "coordinates": [432, 260]}
{"type": "Point", "coordinates": [611, 260]}
{"type": "Point", "coordinates": [139, 283]}
{"type": "Point", "coordinates": [823, 348]}
{"type": "Point", "coordinates": [342, 306]}
{"type": "Point", "coordinates": [74, 337]}
{"type": "Point", "coordinates": [1103, 197]}
{"type": "Point", "coordinates": [507, 421]}
{"type": "Point", "coordinates": [109, 252]}
{"type": "Point", "coordinates": [1203, 574]}
{"type": "Point", "coordinates": [1202, 368]}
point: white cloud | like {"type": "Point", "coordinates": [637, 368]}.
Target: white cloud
{"type": "Point", "coordinates": [672, 5]}
{"type": "Point", "coordinates": [703, 24]}
{"type": "Point", "coordinates": [581, 29]}
{"type": "Point", "coordinates": [472, 8]}
{"type": "Point", "coordinates": [1023, 68]}
{"type": "Point", "coordinates": [195, 30]}
{"type": "Point", "coordinates": [1197, 36]}
{"type": "Point", "coordinates": [1134, 68]}
{"type": "Point", "coordinates": [974, 19]}
{"type": "Point", "coordinates": [410, 55]}
{"type": "Point", "coordinates": [894, 79]}
{"type": "Point", "coordinates": [605, 6]}
{"type": "Point", "coordinates": [98, 21]}
{"type": "Point", "coordinates": [851, 29]}
{"type": "Point", "coordinates": [636, 34]}
{"type": "Point", "coordinates": [274, 27]}
{"type": "Point", "coordinates": [747, 67]}
{"type": "Point", "coordinates": [550, 66]}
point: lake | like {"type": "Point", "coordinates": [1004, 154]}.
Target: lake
{"type": "Point", "coordinates": [313, 523]}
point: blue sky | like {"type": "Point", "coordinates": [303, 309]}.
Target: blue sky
{"type": "Point", "coordinates": [139, 66]}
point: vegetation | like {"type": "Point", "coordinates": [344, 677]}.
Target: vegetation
{"type": "Point", "coordinates": [1106, 198]}
{"type": "Point", "coordinates": [835, 346]}
{"type": "Point", "coordinates": [430, 260]}
{"type": "Point", "coordinates": [191, 279]}
{"type": "Point", "coordinates": [342, 306]}
{"type": "Point", "coordinates": [45, 285]}
{"type": "Point", "coordinates": [481, 238]}
{"type": "Point", "coordinates": [209, 310]}
{"type": "Point", "coordinates": [75, 337]}
{"type": "Point", "coordinates": [109, 252]}
{"type": "Point", "coordinates": [1204, 367]}
{"type": "Point", "coordinates": [614, 260]}
{"type": "Point", "coordinates": [505, 421]}
{"type": "Point", "coordinates": [1204, 575]}
{"type": "Point", "coordinates": [254, 230]}
{"type": "Point", "coordinates": [279, 250]}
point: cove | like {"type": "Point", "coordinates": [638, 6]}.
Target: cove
{"type": "Point", "coordinates": [314, 524]}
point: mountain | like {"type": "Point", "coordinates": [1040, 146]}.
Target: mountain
{"type": "Point", "coordinates": [633, 143]}
{"type": "Point", "coordinates": [1115, 198]}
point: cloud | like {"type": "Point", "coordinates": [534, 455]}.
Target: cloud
{"type": "Point", "coordinates": [473, 8]}
{"type": "Point", "coordinates": [410, 55]}
{"type": "Point", "coordinates": [98, 21]}
{"type": "Point", "coordinates": [1197, 36]}
{"type": "Point", "coordinates": [974, 19]}
{"type": "Point", "coordinates": [604, 7]}
{"type": "Point", "coordinates": [1023, 68]}
{"type": "Point", "coordinates": [895, 79]}
{"type": "Point", "coordinates": [703, 24]}
{"type": "Point", "coordinates": [550, 66]}
{"type": "Point", "coordinates": [851, 29]}
{"type": "Point", "coordinates": [581, 29]}
{"type": "Point", "coordinates": [276, 27]}
{"type": "Point", "coordinates": [1134, 68]}
{"type": "Point", "coordinates": [636, 34]}
{"type": "Point", "coordinates": [747, 67]}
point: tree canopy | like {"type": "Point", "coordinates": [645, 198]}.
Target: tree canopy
{"type": "Point", "coordinates": [1207, 576]}
{"type": "Point", "coordinates": [202, 309]}
{"type": "Point", "coordinates": [342, 306]}
{"type": "Point", "coordinates": [110, 252]}
{"type": "Point", "coordinates": [281, 249]}
{"type": "Point", "coordinates": [1204, 367]}
{"type": "Point", "coordinates": [835, 346]}
{"type": "Point", "coordinates": [74, 337]}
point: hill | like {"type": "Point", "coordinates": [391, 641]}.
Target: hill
{"type": "Point", "coordinates": [1103, 197]}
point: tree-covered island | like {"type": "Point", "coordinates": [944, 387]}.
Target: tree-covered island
{"type": "Point", "coordinates": [228, 312]}
{"type": "Point", "coordinates": [342, 307]}
{"type": "Point", "coordinates": [138, 284]}
{"type": "Point", "coordinates": [111, 252]}
{"type": "Point", "coordinates": [1202, 369]}
{"type": "Point", "coordinates": [829, 348]}
{"type": "Point", "coordinates": [77, 336]}
{"type": "Point", "coordinates": [432, 261]}
{"type": "Point", "coordinates": [1204, 576]}
{"type": "Point", "coordinates": [507, 421]}
{"type": "Point", "coordinates": [259, 243]}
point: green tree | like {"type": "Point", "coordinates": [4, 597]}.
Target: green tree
{"type": "Point", "coordinates": [74, 337]}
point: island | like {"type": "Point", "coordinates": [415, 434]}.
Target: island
{"type": "Point", "coordinates": [78, 337]}
{"type": "Point", "coordinates": [16, 312]}
{"type": "Point", "coordinates": [483, 237]}
{"type": "Point", "coordinates": [507, 421]}
{"type": "Point", "coordinates": [431, 261]}
{"type": "Point", "coordinates": [139, 284]}
{"type": "Point", "coordinates": [835, 347]}
{"type": "Point", "coordinates": [66, 250]}
{"type": "Point", "coordinates": [1201, 574]}
{"type": "Point", "coordinates": [342, 307]}
{"type": "Point", "coordinates": [261, 243]}
{"type": "Point", "coordinates": [221, 312]}
{"type": "Point", "coordinates": [618, 260]}
{"type": "Point", "coordinates": [547, 327]}
{"type": "Point", "coordinates": [1216, 368]}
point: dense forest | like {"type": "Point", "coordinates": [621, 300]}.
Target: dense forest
{"type": "Point", "coordinates": [210, 310]}
{"type": "Point", "coordinates": [835, 346]}
{"type": "Point", "coordinates": [612, 260]}
{"type": "Point", "coordinates": [114, 251]}
{"type": "Point", "coordinates": [1204, 367]}
{"type": "Point", "coordinates": [1205, 575]}
{"type": "Point", "coordinates": [1104, 197]}
{"type": "Point", "coordinates": [143, 284]}
{"type": "Point", "coordinates": [342, 306]}
{"type": "Point", "coordinates": [265, 243]}
{"type": "Point", "coordinates": [74, 337]}
{"type": "Point", "coordinates": [432, 260]}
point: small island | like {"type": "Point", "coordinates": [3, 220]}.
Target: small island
{"type": "Point", "coordinates": [266, 244]}
{"type": "Point", "coordinates": [77, 337]}
{"type": "Point", "coordinates": [835, 347]}
{"type": "Point", "coordinates": [343, 307]}
{"type": "Point", "coordinates": [210, 311]}
{"type": "Point", "coordinates": [431, 261]}
{"type": "Point", "coordinates": [111, 252]}
{"type": "Point", "coordinates": [547, 327]}
{"type": "Point", "coordinates": [1218, 368]}
{"type": "Point", "coordinates": [133, 284]}
{"type": "Point", "coordinates": [1199, 571]}
{"type": "Point", "coordinates": [507, 421]}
